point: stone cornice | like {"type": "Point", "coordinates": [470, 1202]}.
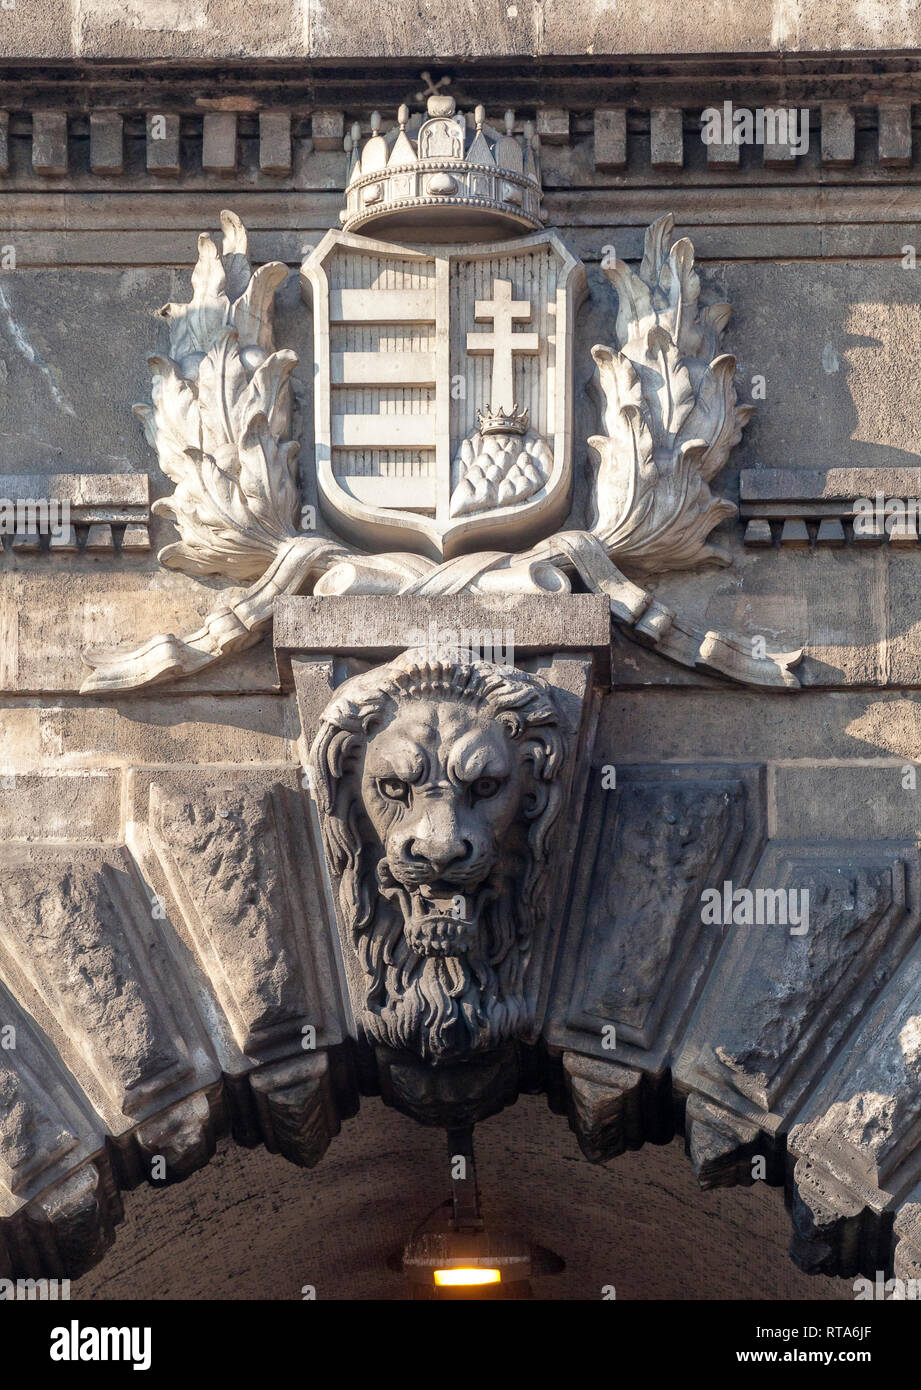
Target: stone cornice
{"type": "Point", "coordinates": [151, 140]}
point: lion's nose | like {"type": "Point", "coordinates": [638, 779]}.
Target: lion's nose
{"type": "Point", "coordinates": [440, 853]}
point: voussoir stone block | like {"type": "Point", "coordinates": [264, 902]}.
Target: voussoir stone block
{"type": "Point", "coordinates": [79, 935]}
{"type": "Point", "coordinates": [239, 861]}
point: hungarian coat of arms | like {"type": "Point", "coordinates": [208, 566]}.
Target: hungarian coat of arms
{"type": "Point", "coordinates": [443, 407]}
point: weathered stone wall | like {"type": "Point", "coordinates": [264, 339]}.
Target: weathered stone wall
{"type": "Point", "coordinates": [329, 30]}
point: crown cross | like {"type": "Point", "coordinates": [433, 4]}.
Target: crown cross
{"type": "Point", "coordinates": [431, 88]}
{"type": "Point", "coordinates": [503, 343]}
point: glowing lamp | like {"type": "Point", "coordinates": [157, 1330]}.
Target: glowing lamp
{"type": "Point", "coordinates": [466, 1275]}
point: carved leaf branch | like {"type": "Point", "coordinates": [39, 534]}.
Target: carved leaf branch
{"type": "Point", "coordinates": [669, 415]}
{"type": "Point", "coordinates": [221, 415]}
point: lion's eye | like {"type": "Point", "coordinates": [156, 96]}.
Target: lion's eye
{"type": "Point", "coordinates": [485, 787]}
{"type": "Point", "coordinates": [393, 788]}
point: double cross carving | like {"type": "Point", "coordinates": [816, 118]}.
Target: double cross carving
{"type": "Point", "coordinates": [503, 342]}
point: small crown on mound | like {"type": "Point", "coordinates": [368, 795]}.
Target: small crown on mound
{"type": "Point", "coordinates": [433, 175]}
{"type": "Point", "coordinates": [512, 421]}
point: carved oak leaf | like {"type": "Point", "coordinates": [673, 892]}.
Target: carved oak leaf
{"type": "Point", "coordinates": [225, 293]}
{"type": "Point", "coordinates": [669, 414]}
{"type": "Point", "coordinates": [221, 412]}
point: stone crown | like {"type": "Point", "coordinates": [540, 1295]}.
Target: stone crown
{"type": "Point", "coordinates": [499, 421]}
{"type": "Point", "coordinates": [442, 172]}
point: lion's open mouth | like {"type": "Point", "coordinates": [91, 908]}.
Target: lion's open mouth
{"type": "Point", "coordinates": [441, 920]}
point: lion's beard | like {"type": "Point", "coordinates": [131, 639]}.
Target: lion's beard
{"type": "Point", "coordinates": [444, 1005]}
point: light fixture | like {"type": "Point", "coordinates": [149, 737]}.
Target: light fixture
{"type": "Point", "coordinates": [456, 1255]}
{"type": "Point", "coordinates": [482, 1263]}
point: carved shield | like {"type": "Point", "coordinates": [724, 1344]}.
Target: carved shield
{"type": "Point", "coordinates": [443, 391]}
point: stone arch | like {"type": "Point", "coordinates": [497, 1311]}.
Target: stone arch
{"type": "Point", "coordinates": [252, 1225]}
{"type": "Point", "coordinates": [157, 994]}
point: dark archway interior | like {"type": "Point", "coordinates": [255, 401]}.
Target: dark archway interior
{"type": "Point", "coordinates": [252, 1226]}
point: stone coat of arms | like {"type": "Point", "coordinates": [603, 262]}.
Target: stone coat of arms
{"type": "Point", "coordinates": [443, 407]}
{"type": "Point", "coordinates": [442, 390]}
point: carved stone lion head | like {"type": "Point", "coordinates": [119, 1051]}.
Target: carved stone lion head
{"type": "Point", "coordinates": [437, 783]}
